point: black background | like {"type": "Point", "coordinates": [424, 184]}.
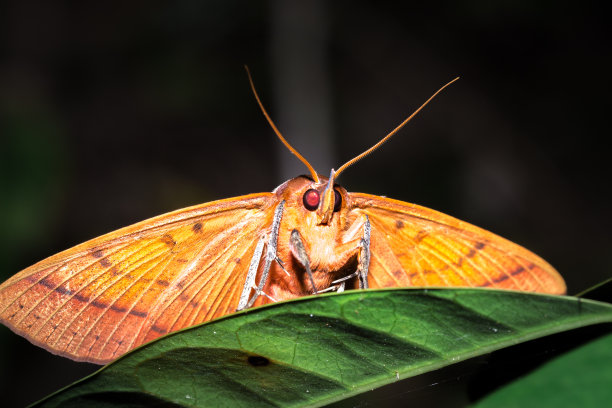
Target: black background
{"type": "Point", "coordinates": [113, 112]}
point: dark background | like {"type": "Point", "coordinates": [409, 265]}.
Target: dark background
{"type": "Point", "coordinates": [113, 112]}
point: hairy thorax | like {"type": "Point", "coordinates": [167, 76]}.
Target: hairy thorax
{"type": "Point", "coordinates": [331, 246]}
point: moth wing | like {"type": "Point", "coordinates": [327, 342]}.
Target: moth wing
{"type": "Point", "coordinates": [416, 246]}
{"type": "Point", "coordinates": [104, 297]}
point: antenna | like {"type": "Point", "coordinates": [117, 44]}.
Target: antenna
{"type": "Point", "coordinates": [313, 173]}
{"type": "Point", "coordinates": [394, 131]}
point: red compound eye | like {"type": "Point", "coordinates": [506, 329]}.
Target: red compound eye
{"type": "Point", "coordinates": [311, 199]}
{"type": "Point", "coordinates": [337, 200]}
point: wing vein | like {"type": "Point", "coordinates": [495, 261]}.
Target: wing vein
{"type": "Point", "coordinates": [167, 260]}
{"type": "Point", "coordinates": [59, 265]}
{"type": "Point", "coordinates": [230, 282]}
{"type": "Point", "coordinates": [211, 277]}
{"type": "Point", "coordinates": [132, 267]}
{"type": "Point", "coordinates": [203, 269]}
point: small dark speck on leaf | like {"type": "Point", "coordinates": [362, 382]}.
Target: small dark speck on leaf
{"type": "Point", "coordinates": [258, 361]}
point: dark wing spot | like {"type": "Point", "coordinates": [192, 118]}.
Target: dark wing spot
{"type": "Point", "coordinates": [158, 329]}
{"type": "Point", "coordinates": [98, 304]}
{"type": "Point", "coordinates": [118, 309]}
{"type": "Point", "coordinates": [50, 285]}
{"type": "Point", "coordinates": [427, 272]}
{"type": "Point", "coordinates": [105, 262]}
{"type": "Point", "coordinates": [399, 224]}
{"type": "Point", "coordinates": [197, 227]}
{"type": "Point", "coordinates": [504, 277]}
{"type": "Point", "coordinates": [62, 290]}
{"type": "Point", "coordinates": [162, 282]}
{"type": "Point", "coordinates": [138, 313]}
{"type": "Point", "coordinates": [420, 236]}
{"type": "Point", "coordinates": [98, 253]}
{"type": "Point", "coordinates": [46, 283]}
{"type": "Point", "coordinates": [168, 240]}
{"type": "Point", "coordinates": [82, 298]}
{"type": "Point", "coordinates": [398, 273]}
{"type": "Point", "coordinates": [237, 260]}
{"type": "Point", "coordinates": [477, 247]}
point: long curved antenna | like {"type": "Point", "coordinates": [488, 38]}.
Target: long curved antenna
{"type": "Point", "coordinates": [394, 131]}
{"type": "Point", "coordinates": [313, 173]}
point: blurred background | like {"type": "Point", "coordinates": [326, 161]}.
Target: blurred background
{"type": "Point", "coordinates": [113, 112]}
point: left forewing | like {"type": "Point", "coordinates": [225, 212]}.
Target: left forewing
{"type": "Point", "coordinates": [106, 296]}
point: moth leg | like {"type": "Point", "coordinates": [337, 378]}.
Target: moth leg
{"type": "Point", "coordinates": [363, 256]}
{"type": "Point", "coordinates": [299, 252]}
{"type": "Point", "coordinates": [271, 245]}
{"type": "Point", "coordinates": [345, 278]}
{"type": "Point", "coordinates": [250, 280]}
{"type": "Point", "coordinates": [338, 288]}
{"type": "Point", "coordinates": [282, 265]}
{"type": "Point", "coordinates": [249, 283]}
{"type": "Point", "coordinates": [363, 261]}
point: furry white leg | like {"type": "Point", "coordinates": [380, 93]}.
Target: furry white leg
{"type": "Point", "coordinates": [245, 302]}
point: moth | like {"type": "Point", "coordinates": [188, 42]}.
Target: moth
{"type": "Point", "coordinates": [102, 298]}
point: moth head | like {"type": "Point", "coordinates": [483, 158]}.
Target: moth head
{"type": "Point", "coordinates": [320, 199]}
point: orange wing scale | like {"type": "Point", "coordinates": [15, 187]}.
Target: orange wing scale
{"type": "Point", "coordinates": [106, 296]}
{"type": "Point", "coordinates": [416, 246]}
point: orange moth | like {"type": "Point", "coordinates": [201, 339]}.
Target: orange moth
{"type": "Point", "coordinates": [100, 299]}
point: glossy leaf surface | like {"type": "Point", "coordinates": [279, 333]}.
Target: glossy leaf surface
{"type": "Point", "coordinates": [317, 350]}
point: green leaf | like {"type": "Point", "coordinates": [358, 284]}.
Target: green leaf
{"type": "Point", "coordinates": [316, 350]}
{"type": "Point", "coordinates": [579, 378]}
